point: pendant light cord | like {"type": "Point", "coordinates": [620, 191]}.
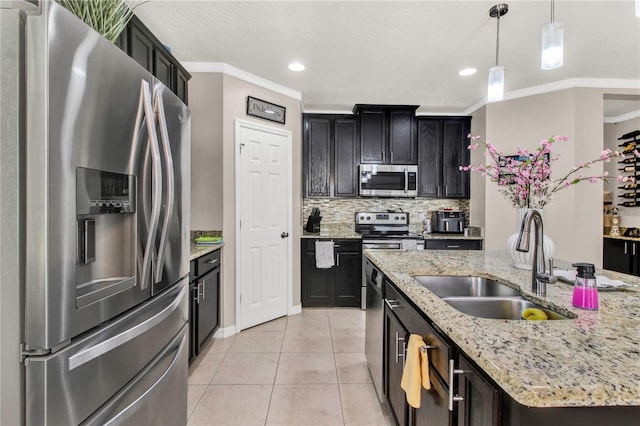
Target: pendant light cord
{"type": "Point", "coordinates": [498, 39]}
{"type": "Point", "coordinates": [552, 8]}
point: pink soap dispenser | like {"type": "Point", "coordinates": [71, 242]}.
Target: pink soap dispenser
{"type": "Point", "coordinates": [585, 291]}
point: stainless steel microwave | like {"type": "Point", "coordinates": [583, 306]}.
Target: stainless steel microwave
{"type": "Point", "coordinates": [388, 180]}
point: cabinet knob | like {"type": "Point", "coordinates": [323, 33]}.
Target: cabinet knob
{"type": "Point", "coordinates": [284, 235]}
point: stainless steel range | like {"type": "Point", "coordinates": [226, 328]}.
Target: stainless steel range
{"type": "Point", "coordinates": [385, 231]}
{"type": "Point", "coordinates": [388, 231]}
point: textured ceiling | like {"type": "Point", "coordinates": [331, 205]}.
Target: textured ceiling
{"type": "Point", "coordinates": [397, 52]}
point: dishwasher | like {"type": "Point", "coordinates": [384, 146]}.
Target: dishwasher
{"type": "Point", "coordinates": [374, 332]}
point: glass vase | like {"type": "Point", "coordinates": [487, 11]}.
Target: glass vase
{"type": "Point", "coordinates": [521, 259]}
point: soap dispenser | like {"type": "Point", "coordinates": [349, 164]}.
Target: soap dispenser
{"type": "Point", "coordinates": [585, 291]}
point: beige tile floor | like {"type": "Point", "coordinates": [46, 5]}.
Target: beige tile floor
{"type": "Point", "coordinates": [307, 369]}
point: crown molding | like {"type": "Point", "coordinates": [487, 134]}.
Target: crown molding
{"type": "Point", "coordinates": [571, 83]}
{"type": "Point", "coordinates": [623, 117]}
{"type": "Point", "coordinates": [223, 68]}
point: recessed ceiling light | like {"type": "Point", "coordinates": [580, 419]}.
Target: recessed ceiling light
{"type": "Point", "coordinates": [296, 66]}
{"type": "Point", "coordinates": [467, 72]}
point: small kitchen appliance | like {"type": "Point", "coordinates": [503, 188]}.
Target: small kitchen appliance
{"type": "Point", "coordinates": [585, 291]}
{"type": "Point", "coordinates": [448, 222]}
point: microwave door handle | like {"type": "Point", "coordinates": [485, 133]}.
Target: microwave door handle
{"type": "Point", "coordinates": [156, 183]}
{"type": "Point", "coordinates": [170, 182]}
{"type": "Point", "coordinates": [406, 179]}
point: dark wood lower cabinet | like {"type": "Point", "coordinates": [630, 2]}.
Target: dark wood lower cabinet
{"type": "Point", "coordinates": [396, 337]}
{"type": "Point", "coordinates": [620, 256]}
{"type": "Point", "coordinates": [480, 405]}
{"type": "Point", "coordinates": [339, 285]}
{"type": "Point", "coordinates": [204, 305]}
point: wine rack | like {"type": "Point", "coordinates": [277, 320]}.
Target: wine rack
{"type": "Point", "coordinates": [628, 194]}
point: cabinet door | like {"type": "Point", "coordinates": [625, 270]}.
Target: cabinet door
{"type": "Point", "coordinates": [346, 158]}
{"type": "Point", "coordinates": [348, 279]}
{"type": "Point", "coordinates": [373, 137]}
{"type": "Point", "coordinates": [481, 404]}
{"type": "Point", "coordinates": [317, 283]}
{"type": "Point", "coordinates": [162, 67]}
{"type": "Point", "coordinates": [140, 47]}
{"type": "Point", "coordinates": [317, 156]}
{"type": "Point", "coordinates": [455, 154]}
{"type": "Point", "coordinates": [182, 86]}
{"type": "Point", "coordinates": [395, 339]}
{"type": "Point", "coordinates": [618, 255]}
{"type": "Point", "coordinates": [208, 309]}
{"type": "Point", "coordinates": [402, 144]}
{"type": "Point", "coordinates": [434, 408]}
{"type": "Point", "coordinates": [430, 157]}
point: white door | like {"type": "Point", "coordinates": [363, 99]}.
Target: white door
{"type": "Point", "coordinates": [263, 195]}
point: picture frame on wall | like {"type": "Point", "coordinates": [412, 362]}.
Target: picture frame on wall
{"type": "Point", "coordinates": [266, 110]}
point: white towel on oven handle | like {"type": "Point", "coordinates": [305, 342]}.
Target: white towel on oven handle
{"type": "Point", "coordinates": [324, 254]}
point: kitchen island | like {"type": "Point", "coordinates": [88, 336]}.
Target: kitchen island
{"type": "Point", "coordinates": [590, 361]}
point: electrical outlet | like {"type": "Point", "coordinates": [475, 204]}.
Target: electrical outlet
{"type": "Point", "coordinates": [421, 217]}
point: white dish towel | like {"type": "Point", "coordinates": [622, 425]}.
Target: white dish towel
{"type": "Point", "coordinates": [324, 254]}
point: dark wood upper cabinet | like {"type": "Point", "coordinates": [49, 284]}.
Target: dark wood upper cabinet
{"type": "Point", "coordinates": [345, 158]}
{"type": "Point", "coordinates": [317, 156]}
{"type": "Point", "coordinates": [442, 149]}
{"type": "Point", "coordinates": [387, 134]}
{"type": "Point", "coordinates": [140, 43]}
{"type": "Point", "coordinates": [330, 155]}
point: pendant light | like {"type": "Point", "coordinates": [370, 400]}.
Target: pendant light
{"type": "Point", "coordinates": [638, 8]}
{"type": "Point", "coordinates": [552, 44]}
{"type": "Point", "coordinates": [495, 89]}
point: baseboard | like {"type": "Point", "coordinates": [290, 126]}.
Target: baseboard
{"type": "Point", "coordinates": [221, 333]}
{"type": "Point", "coordinates": [295, 310]}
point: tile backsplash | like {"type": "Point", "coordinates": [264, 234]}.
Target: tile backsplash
{"type": "Point", "coordinates": [343, 210]}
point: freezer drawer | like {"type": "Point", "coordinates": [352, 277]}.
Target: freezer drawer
{"type": "Point", "coordinates": [68, 386]}
{"type": "Point", "coordinates": [156, 396]}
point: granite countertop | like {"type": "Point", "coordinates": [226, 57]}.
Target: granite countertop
{"type": "Point", "coordinates": [593, 360]}
{"type": "Point", "coordinates": [201, 250]}
{"type": "Point", "coordinates": [620, 237]}
{"type": "Point", "coordinates": [334, 230]}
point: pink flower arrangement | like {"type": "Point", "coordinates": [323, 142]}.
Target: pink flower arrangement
{"type": "Point", "coordinates": [525, 179]}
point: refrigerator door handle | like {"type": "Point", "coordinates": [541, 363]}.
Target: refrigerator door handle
{"type": "Point", "coordinates": [156, 181]}
{"type": "Point", "coordinates": [102, 348]}
{"type": "Point", "coordinates": [170, 182]}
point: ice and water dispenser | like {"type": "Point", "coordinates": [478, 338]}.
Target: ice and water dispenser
{"type": "Point", "coordinates": [106, 234]}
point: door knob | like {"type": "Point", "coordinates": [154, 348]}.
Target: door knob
{"type": "Point", "coordinates": [284, 235]}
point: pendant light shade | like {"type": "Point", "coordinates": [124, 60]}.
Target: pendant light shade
{"type": "Point", "coordinates": [552, 44]}
{"type": "Point", "coordinates": [638, 8]}
{"type": "Point", "coordinates": [496, 84]}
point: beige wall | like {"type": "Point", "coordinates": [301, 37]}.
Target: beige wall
{"type": "Point", "coordinates": [573, 219]}
{"type": "Point", "coordinates": [205, 102]}
{"type": "Point", "coordinates": [478, 183]}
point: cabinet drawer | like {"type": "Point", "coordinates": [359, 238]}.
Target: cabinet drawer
{"type": "Point", "coordinates": [453, 244]}
{"type": "Point", "coordinates": [207, 262]}
{"type": "Point", "coordinates": [339, 246]}
{"type": "Point", "coordinates": [439, 355]}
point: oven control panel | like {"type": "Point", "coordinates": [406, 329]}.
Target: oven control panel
{"type": "Point", "coordinates": [382, 218]}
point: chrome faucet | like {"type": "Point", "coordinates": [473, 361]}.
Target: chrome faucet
{"type": "Point", "coordinates": [539, 278]}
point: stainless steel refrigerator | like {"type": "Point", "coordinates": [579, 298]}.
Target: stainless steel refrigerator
{"type": "Point", "coordinates": [95, 228]}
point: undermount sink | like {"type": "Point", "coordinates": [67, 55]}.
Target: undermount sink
{"type": "Point", "coordinates": [498, 307]}
{"type": "Point", "coordinates": [462, 286]}
{"type": "Point", "coordinates": [482, 297]}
